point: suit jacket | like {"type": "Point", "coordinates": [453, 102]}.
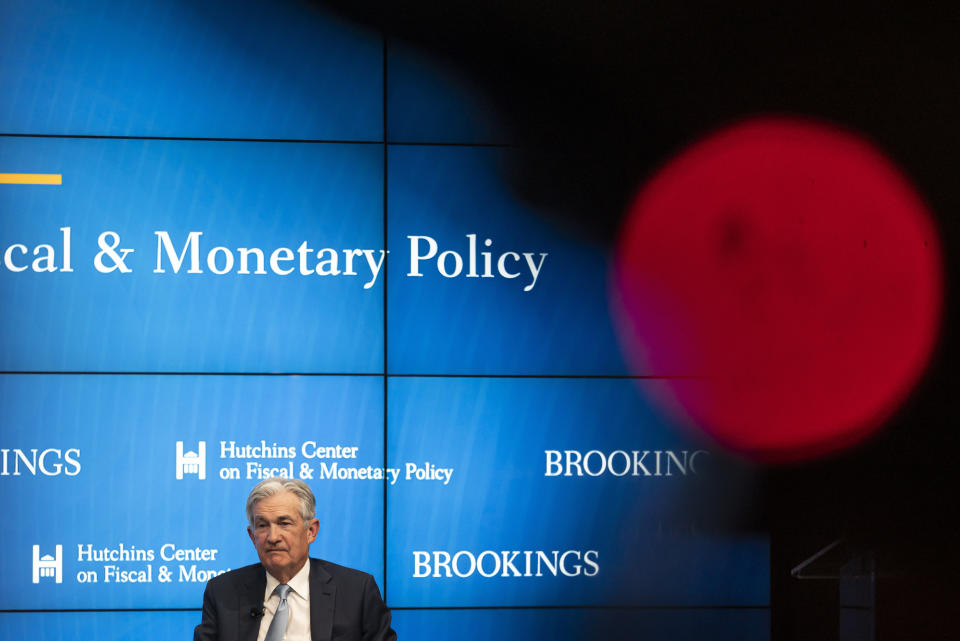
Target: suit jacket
{"type": "Point", "coordinates": [345, 605]}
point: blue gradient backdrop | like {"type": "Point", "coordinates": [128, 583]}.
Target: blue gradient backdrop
{"type": "Point", "coordinates": [263, 126]}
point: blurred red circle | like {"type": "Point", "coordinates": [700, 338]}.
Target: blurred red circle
{"type": "Point", "coordinates": [792, 269]}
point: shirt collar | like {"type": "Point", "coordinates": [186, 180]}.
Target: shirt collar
{"type": "Point", "coordinates": [299, 584]}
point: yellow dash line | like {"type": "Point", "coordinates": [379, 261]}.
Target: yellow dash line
{"type": "Point", "coordinates": [31, 179]}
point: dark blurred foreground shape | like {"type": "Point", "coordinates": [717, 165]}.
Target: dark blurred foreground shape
{"type": "Point", "coordinates": [596, 96]}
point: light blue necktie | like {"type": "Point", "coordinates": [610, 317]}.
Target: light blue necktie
{"type": "Point", "coordinates": [279, 624]}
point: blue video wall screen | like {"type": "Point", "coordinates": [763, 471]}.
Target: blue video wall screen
{"type": "Point", "coordinates": [499, 492]}
{"type": "Point", "coordinates": [215, 268]}
{"type": "Point", "coordinates": [187, 256]}
{"type": "Point", "coordinates": [143, 479]}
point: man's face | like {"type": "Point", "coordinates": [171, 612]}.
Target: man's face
{"type": "Point", "coordinates": [281, 537]}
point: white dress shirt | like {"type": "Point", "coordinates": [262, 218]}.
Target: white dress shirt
{"type": "Point", "coordinates": [298, 601]}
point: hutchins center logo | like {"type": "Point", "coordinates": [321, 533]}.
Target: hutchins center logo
{"type": "Point", "coordinates": [47, 566]}
{"type": "Point", "coordinates": [505, 563]}
{"type": "Point", "coordinates": [36, 462]}
{"type": "Point", "coordinates": [192, 462]}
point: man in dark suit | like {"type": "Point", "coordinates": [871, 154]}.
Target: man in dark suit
{"type": "Point", "coordinates": [284, 596]}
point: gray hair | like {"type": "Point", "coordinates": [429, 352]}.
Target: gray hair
{"type": "Point", "coordinates": [276, 485]}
